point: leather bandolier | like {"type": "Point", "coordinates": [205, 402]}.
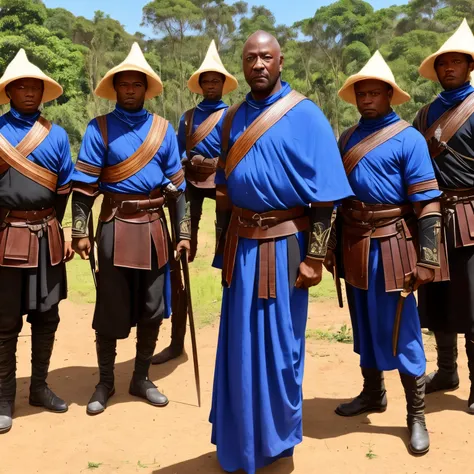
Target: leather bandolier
{"type": "Point", "coordinates": [200, 171]}
{"type": "Point", "coordinates": [20, 231]}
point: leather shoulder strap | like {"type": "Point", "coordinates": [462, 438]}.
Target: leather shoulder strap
{"type": "Point", "coordinates": [421, 119]}
{"type": "Point", "coordinates": [145, 153]}
{"type": "Point", "coordinates": [258, 127]}
{"type": "Point", "coordinates": [188, 127]}
{"type": "Point", "coordinates": [357, 152]}
{"type": "Point", "coordinates": [345, 137]}
{"type": "Point", "coordinates": [102, 123]}
{"type": "Point", "coordinates": [16, 157]}
{"type": "Point", "coordinates": [449, 123]}
{"type": "Point", "coordinates": [205, 128]}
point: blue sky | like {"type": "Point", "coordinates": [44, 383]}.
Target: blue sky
{"type": "Point", "coordinates": [130, 13]}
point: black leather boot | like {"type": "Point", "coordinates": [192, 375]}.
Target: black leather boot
{"type": "Point", "coordinates": [105, 388]}
{"type": "Point", "coordinates": [141, 386]}
{"type": "Point", "coordinates": [446, 377]}
{"type": "Point", "coordinates": [470, 364]}
{"type": "Point", "coordinates": [415, 396]}
{"type": "Point", "coordinates": [178, 319]}
{"type": "Point", "coordinates": [42, 343]}
{"type": "Point", "coordinates": [7, 382]}
{"type": "Point", "coordinates": [373, 397]}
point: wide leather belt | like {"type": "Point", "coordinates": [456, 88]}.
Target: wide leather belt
{"type": "Point", "coordinates": [132, 203]}
{"type": "Point", "coordinates": [265, 227]}
{"type": "Point", "coordinates": [363, 212]}
{"type": "Point", "coordinates": [30, 216]}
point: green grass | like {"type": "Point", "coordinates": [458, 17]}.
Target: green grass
{"type": "Point", "coordinates": [205, 280]}
{"type": "Point", "coordinates": [343, 335]}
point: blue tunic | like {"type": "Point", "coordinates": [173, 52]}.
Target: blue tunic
{"type": "Point", "coordinates": [126, 132]}
{"type": "Point", "coordinates": [210, 147]}
{"type": "Point", "coordinates": [257, 399]}
{"type": "Point", "coordinates": [382, 177]}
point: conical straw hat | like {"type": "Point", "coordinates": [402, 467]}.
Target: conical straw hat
{"type": "Point", "coordinates": [376, 68]}
{"type": "Point", "coordinates": [21, 68]}
{"type": "Point", "coordinates": [212, 63]}
{"type": "Point", "coordinates": [135, 61]}
{"type": "Point", "coordinates": [462, 41]}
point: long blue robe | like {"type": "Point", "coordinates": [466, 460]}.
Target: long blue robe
{"type": "Point", "coordinates": [126, 132]}
{"type": "Point", "coordinates": [257, 399]}
{"type": "Point", "coordinates": [210, 147]}
{"type": "Point", "coordinates": [382, 177]}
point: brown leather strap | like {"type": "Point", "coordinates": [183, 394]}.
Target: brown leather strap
{"type": "Point", "coordinates": [345, 137]}
{"type": "Point", "coordinates": [32, 216]}
{"type": "Point", "coordinates": [65, 189]}
{"type": "Point", "coordinates": [178, 178]}
{"type": "Point", "coordinates": [16, 157]}
{"type": "Point", "coordinates": [226, 130]}
{"type": "Point", "coordinates": [258, 127]}
{"type": "Point", "coordinates": [203, 130]}
{"type": "Point", "coordinates": [421, 119]}
{"type": "Point", "coordinates": [88, 168]}
{"type": "Point", "coordinates": [369, 213]}
{"type": "Point", "coordinates": [102, 123]}
{"type": "Point", "coordinates": [421, 187]}
{"type": "Point", "coordinates": [357, 152]}
{"type": "Point", "coordinates": [449, 123]}
{"type": "Point", "coordinates": [145, 153]}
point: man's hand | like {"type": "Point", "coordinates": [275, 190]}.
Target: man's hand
{"type": "Point", "coordinates": [82, 247]}
{"type": "Point", "coordinates": [310, 273]}
{"type": "Point", "coordinates": [422, 275]}
{"type": "Point", "coordinates": [69, 253]}
{"type": "Point", "coordinates": [183, 246]}
{"type": "Point", "coordinates": [330, 261]}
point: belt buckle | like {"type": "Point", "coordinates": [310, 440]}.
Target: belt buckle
{"type": "Point", "coordinates": [129, 207]}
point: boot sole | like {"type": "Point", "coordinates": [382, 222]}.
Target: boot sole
{"type": "Point", "coordinates": [5, 430]}
{"type": "Point", "coordinates": [447, 389]}
{"type": "Point", "coordinates": [157, 361]}
{"type": "Point", "coordinates": [41, 405]}
{"type": "Point", "coordinates": [369, 410]}
{"type": "Point", "coordinates": [93, 413]}
{"type": "Point", "coordinates": [418, 453]}
{"type": "Point", "coordinates": [161, 405]}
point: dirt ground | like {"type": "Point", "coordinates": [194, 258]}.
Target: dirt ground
{"type": "Point", "coordinates": [132, 436]}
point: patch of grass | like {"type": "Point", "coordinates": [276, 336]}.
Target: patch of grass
{"type": "Point", "coordinates": [370, 454]}
{"type": "Point", "coordinates": [325, 290]}
{"type": "Point", "coordinates": [342, 335]}
{"type": "Point", "coordinates": [93, 465]}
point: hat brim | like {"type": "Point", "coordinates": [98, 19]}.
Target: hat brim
{"type": "Point", "coordinates": [52, 90]}
{"type": "Point", "coordinates": [347, 91]}
{"type": "Point", "coordinates": [230, 83]}
{"type": "Point", "coordinates": [106, 90]}
{"type": "Point", "coordinates": [427, 68]}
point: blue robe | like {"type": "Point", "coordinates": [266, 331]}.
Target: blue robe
{"type": "Point", "coordinates": [126, 132]}
{"type": "Point", "coordinates": [382, 177]}
{"type": "Point", "coordinates": [210, 147]}
{"type": "Point", "coordinates": [257, 399]}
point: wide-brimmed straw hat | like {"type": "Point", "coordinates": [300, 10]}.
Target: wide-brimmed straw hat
{"type": "Point", "coordinates": [212, 63]}
{"type": "Point", "coordinates": [135, 61]}
{"type": "Point", "coordinates": [376, 68]}
{"type": "Point", "coordinates": [21, 68]}
{"type": "Point", "coordinates": [462, 41]}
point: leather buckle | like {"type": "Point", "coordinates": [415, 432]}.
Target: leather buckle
{"type": "Point", "coordinates": [129, 207]}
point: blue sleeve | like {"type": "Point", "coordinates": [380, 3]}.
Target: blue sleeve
{"type": "Point", "coordinates": [417, 166]}
{"type": "Point", "coordinates": [91, 158]}
{"type": "Point", "coordinates": [182, 138]}
{"type": "Point", "coordinates": [171, 160]}
{"type": "Point", "coordinates": [66, 166]}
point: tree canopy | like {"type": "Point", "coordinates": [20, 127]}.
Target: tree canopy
{"type": "Point", "coordinates": [320, 52]}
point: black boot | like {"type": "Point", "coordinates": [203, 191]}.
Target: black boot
{"type": "Point", "coordinates": [178, 320]}
{"type": "Point", "coordinates": [446, 377]}
{"type": "Point", "coordinates": [7, 382]}
{"type": "Point", "coordinates": [415, 396]}
{"type": "Point", "coordinates": [373, 397]}
{"type": "Point", "coordinates": [470, 364]}
{"type": "Point", "coordinates": [42, 342]}
{"type": "Point", "coordinates": [105, 388]}
{"type": "Point", "coordinates": [141, 386]}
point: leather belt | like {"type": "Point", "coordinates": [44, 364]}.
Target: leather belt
{"type": "Point", "coordinates": [30, 216]}
{"type": "Point", "coordinates": [265, 227]}
{"type": "Point", "coordinates": [132, 203]}
{"type": "Point", "coordinates": [363, 212]}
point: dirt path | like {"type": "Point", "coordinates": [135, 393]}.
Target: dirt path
{"type": "Point", "coordinates": [132, 436]}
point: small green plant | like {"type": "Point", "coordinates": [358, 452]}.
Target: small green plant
{"type": "Point", "coordinates": [370, 454]}
{"type": "Point", "coordinates": [342, 335]}
{"type": "Point", "coordinates": [93, 465]}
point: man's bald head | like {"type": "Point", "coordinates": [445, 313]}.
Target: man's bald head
{"type": "Point", "coordinates": [262, 64]}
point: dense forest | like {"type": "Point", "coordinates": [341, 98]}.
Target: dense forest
{"type": "Point", "coordinates": [320, 52]}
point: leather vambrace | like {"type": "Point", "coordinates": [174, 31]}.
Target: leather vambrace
{"type": "Point", "coordinates": [429, 238]}
{"type": "Point", "coordinates": [322, 216]}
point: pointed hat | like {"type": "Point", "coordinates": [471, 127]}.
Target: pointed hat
{"type": "Point", "coordinates": [376, 68]}
{"type": "Point", "coordinates": [135, 61]}
{"type": "Point", "coordinates": [21, 68]}
{"type": "Point", "coordinates": [462, 41]}
{"type": "Point", "coordinates": [212, 63]}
